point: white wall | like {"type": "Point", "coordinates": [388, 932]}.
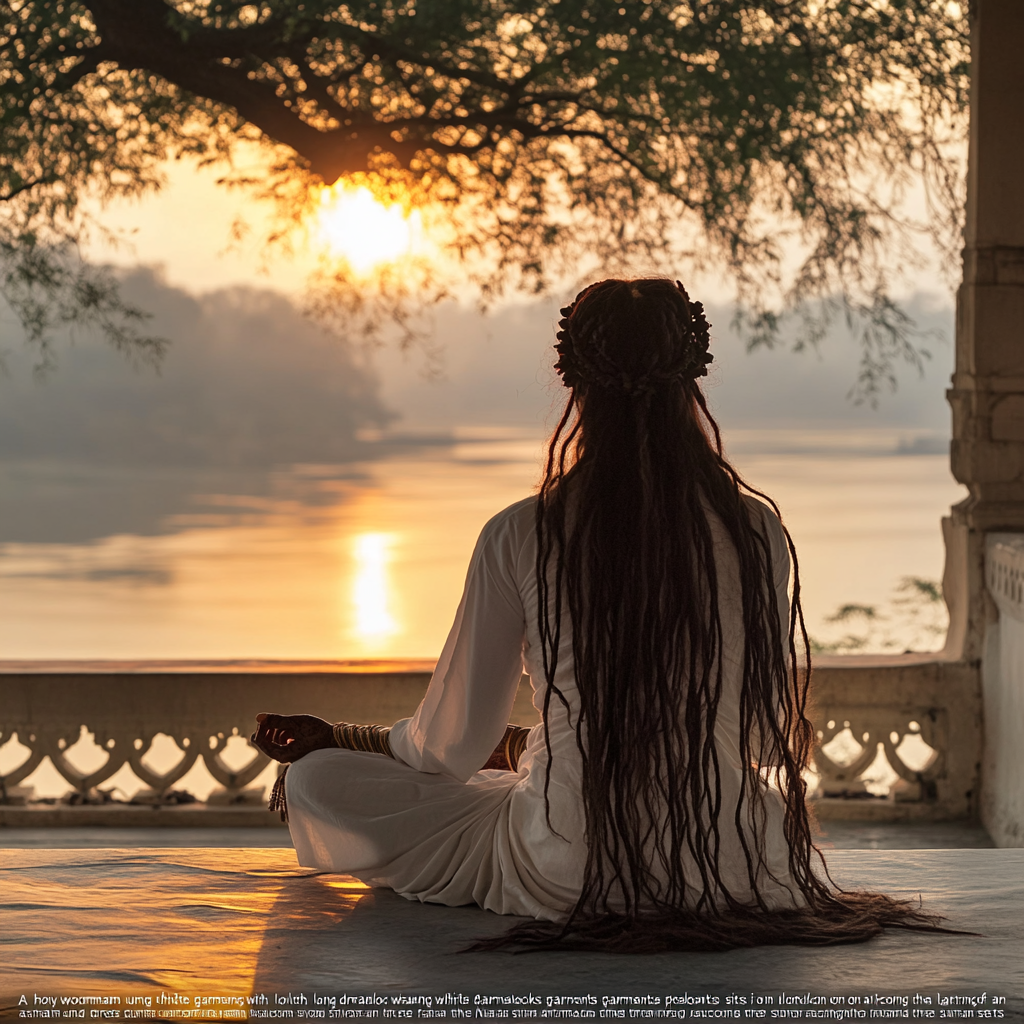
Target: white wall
{"type": "Point", "coordinates": [1002, 793]}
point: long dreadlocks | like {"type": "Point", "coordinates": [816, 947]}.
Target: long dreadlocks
{"type": "Point", "coordinates": [634, 483]}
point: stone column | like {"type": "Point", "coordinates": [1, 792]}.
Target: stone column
{"type": "Point", "coordinates": [987, 396]}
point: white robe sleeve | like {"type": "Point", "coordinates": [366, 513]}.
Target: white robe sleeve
{"type": "Point", "coordinates": [467, 705]}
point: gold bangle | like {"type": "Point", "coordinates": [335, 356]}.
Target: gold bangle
{"type": "Point", "coordinates": [515, 743]}
{"type": "Point", "coordinates": [372, 739]}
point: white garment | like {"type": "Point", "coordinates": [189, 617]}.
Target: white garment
{"type": "Point", "coordinates": [433, 827]}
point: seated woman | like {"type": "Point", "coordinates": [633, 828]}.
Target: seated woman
{"type": "Point", "coordinates": [659, 805]}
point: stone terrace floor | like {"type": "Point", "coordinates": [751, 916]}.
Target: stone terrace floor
{"type": "Point", "coordinates": [252, 934]}
{"type": "Point", "coordinates": [839, 835]}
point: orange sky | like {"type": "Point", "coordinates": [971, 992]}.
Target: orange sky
{"type": "Point", "coordinates": [187, 229]}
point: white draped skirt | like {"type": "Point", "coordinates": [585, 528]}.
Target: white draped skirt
{"type": "Point", "coordinates": [431, 837]}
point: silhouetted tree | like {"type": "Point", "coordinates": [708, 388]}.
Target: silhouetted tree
{"type": "Point", "coordinates": [544, 135]}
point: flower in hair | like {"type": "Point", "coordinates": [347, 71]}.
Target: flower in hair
{"type": "Point", "coordinates": [588, 364]}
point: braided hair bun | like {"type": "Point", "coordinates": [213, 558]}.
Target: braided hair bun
{"type": "Point", "coordinates": [634, 337]}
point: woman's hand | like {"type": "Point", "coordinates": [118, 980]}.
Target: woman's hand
{"type": "Point", "coordinates": [286, 738]}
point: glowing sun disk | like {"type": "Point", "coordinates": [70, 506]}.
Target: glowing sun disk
{"type": "Point", "coordinates": [363, 230]}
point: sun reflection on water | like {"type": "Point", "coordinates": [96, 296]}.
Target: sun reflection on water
{"type": "Point", "coordinates": [372, 553]}
{"type": "Point", "coordinates": [297, 575]}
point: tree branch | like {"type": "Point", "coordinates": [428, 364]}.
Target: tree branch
{"type": "Point", "coordinates": [137, 35]}
{"type": "Point", "coordinates": [27, 186]}
{"type": "Point", "coordinates": [141, 34]}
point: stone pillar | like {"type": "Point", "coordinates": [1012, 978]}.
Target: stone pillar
{"type": "Point", "coordinates": [987, 396]}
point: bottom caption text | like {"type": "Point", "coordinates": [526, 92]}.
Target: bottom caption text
{"type": "Point", "coordinates": [692, 1006]}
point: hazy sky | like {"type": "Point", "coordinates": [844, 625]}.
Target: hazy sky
{"type": "Point", "coordinates": [497, 368]}
{"type": "Point", "coordinates": [248, 381]}
{"type": "Point", "coordinates": [187, 229]}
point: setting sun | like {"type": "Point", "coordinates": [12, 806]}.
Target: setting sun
{"type": "Point", "coordinates": [363, 230]}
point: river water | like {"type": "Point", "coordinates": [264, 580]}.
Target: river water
{"type": "Point", "coordinates": [366, 559]}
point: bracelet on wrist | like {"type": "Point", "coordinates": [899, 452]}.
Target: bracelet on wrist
{"type": "Point", "coordinates": [372, 739]}
{"type": "Point", "coordinates": [515, 743]}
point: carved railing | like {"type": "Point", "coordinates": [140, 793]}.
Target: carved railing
{"type": "Point", "coordinates": [1004, 573]}
{"type": "Point", "coordinates": [47, 708]}
{"type": "Point", "coordinates": [870, 702]}
{"type": "Point", "coordinates": [888, 708]}
{"type": "Point", "coordinates": [889, 729]}
{"type": "Point", "coordinates": [127, 746]}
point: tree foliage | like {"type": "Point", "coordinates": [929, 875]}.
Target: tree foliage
{"type": "Point", "coordinates": [545, 136]}
{"type": "Point", "coordinates": [913, 619]}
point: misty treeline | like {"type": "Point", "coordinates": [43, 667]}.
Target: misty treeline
{"type": "Point", "coordinates": [914, 618]}
{"type": "Point", "coordinates": [248, 381]}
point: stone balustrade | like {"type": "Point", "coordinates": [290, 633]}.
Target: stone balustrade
{"type": "Point", "coordinates": [200, 707]}
{"type": "Point", "coordinates": [884, 701]}
{"type": "Point", "coordinates": [879, 700]}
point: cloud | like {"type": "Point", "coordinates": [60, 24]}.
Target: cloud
{"type": "Point", "coordinates": [247, 382]}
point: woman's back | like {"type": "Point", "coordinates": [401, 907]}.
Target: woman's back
{"type": "Point", "coordinates": [558, 850]}
{"type": "Point", "coordinates": [667, 649]}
